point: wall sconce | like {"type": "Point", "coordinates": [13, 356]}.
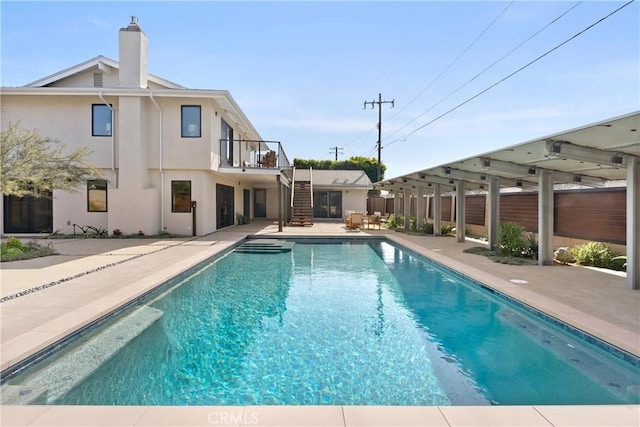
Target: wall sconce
{"type": "Point", "coordinates": [486, 163]}
{"type": "Point", "coordinates": [447, 170]}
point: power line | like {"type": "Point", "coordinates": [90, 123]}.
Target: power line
{"type": "Point", "coordinates": [455, 60]}
{"type": "Point", "coordinates": [379, 103]}
{"type": "Point", "coordinates": [484, 70]}
{"type": "Point", "coordinates": [512, 74]}
{"type": "Point", "coordinates": [434, 80]}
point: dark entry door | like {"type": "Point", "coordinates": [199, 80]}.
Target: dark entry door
{"type": "Point", "coordinates": [224, 206]}
{"type": "Point", "coordinates": [246, 202]}
{"type": "Point", "coordinates": [260, 203]}
{"type": "Point", "coordinates": [28, 214]}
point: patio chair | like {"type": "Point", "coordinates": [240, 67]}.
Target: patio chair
{"type": "Point", "coordinates": [374, 220]}
{"type": "Point", "coordinates": [356, 221]}
{"type": "Point", "coordinates": [269, 160]}
{"type": "Point", "coordinates": [385, 218]}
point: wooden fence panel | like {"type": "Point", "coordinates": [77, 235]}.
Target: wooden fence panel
{"type": "Point", "coordinates": [598, 215]}
{"type": "Point", "coordinates": [474, 209]}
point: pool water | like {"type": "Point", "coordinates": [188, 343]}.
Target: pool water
{"type": "Point", "coordinates": [361, 323]}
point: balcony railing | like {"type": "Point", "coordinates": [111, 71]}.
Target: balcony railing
{"type": "Point", "coordinates": [242, 153]}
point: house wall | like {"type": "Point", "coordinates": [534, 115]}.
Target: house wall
{"type": "Point", "coordinates": [354, 200]}
{"type": "Point", "coordinates": [62, 118]}
{"type": "Point", "coordinates": [86, 80]}
{"type": "Point", "coordinates": [134, 193]}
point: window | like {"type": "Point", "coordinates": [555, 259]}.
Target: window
{"type": "Point", "coordinates": [191, 121]}
{"type": "Point", "coordinates": [97, 195]}
{"type": "Point", "coordinates": [227, 143]}
{"type": "Point", "coordinates": [100, 120]}
{"type": "Point", "coordinates": [180, 196]}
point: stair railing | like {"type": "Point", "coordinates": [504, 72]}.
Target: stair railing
{"type": "Point", "coordinates": [311, 185]}
{"type": "Point", "coordinates": [293, 185]}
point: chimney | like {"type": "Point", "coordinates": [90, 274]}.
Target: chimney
{"type": "Point", "coordinates": [133, 56]}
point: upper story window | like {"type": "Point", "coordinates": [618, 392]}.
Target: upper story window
{"type": "Point", "coordinates": [97, 195]}
{"type": "Point", "coordinates": [101, 120]}
{"type": "Point", "coordinates": [191, 121]}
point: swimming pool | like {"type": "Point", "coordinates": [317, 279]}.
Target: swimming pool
{"type": "Point", "coordinates": [336, 324]}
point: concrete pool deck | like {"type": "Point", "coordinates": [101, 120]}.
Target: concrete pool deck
{"type": "Point", "coordinates": [91, 277]}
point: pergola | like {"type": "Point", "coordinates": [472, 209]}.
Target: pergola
{"type": "Point", "coordinates": [592, 155]}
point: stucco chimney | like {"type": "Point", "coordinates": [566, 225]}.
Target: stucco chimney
{"type": "Point", "coordinates": [133, 56]}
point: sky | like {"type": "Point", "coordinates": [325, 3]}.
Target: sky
{"type": "Point", "coordinates": [301, 71]}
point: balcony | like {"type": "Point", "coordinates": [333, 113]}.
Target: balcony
{"type": "Point", "coordinates": [247, 154]}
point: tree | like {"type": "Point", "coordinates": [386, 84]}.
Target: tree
{"type": "Point", "coordinates": [368, 165]}
{"type": "Point", "coordinates": [32, 162]}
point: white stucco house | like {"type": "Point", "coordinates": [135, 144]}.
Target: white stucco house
{"type": "Point", "coordinates": [186, 161]}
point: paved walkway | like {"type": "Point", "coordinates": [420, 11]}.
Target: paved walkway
{"type": "Point", "coordinates": [45, 299]}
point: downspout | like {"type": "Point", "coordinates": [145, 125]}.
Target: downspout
{"type": "Point", "coordinates": [160, 158]}
{"type": "Point", "coordinates": [113, 140]}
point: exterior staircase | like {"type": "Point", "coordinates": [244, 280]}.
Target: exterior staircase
{"type": "Point", "coordinates": [302, 208]}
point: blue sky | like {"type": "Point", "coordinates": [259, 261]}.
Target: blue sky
{"type": "Point", "coordinates": [302, 70]}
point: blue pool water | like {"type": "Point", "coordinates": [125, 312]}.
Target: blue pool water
{"type": "Point", "coordinates": [353, 323]}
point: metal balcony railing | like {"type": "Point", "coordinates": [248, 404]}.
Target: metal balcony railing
{"type": "Point", "coordinates": [242, 153]}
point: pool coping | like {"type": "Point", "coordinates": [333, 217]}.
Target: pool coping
{"type": "Point", "coordinates": [305, 415]}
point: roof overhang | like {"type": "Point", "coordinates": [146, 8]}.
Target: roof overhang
{"type": "Point", "coordinates": [101, 63]}
{"type": "Point", "coordinates": [594, 156]}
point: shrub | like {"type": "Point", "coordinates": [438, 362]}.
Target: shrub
{"type": "Point", "coordinates": [242, 219]}
{"type": "Point", "coordinates": [117, 232]}
{"type": "Point", "coordinates": [511, 240]}
{"type": "Point", "coordinates": [447, 230]}
{"type": "Point", "coordinates": [395, 221]}
{"type": "Point", "coordinates": [14, 250]}
{"type": "Point", "coordinates": [597, 254]}
{"type": "Point", "coordinates": [427, 228]}
{"type": "Point", "coordinates": [413, 224]}
{"type": "Point", "coordinates": [531, 246]}
{"type": "Point", "coordinates": [13, 243]}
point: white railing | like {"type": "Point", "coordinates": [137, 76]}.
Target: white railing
{"type": "Point", "coordinates": [293, 184]}
{"type": "Point", "coordinates": [311, 184]}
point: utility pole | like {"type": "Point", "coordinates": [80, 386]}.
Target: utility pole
{"type": "Point", "coordinates": [379, 102]}
{"type": "Point", "coordinates": [336, 150]}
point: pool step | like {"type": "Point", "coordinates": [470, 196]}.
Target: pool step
{"type": "Point", "coordinates": [54, 380]}
{"type": "Point", "coordinates": [265, 246]}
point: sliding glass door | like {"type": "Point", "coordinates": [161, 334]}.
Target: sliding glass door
{"type": "Point", "coordinates": [327, 204]}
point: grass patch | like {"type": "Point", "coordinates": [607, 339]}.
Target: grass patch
{"type": "Point", "coordinates": [15, 250]}
{"type": "Point", "coordinates": [501, 259]}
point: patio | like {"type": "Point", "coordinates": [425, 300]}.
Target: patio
{"type": "Point", "coordinates": [91, 277]}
